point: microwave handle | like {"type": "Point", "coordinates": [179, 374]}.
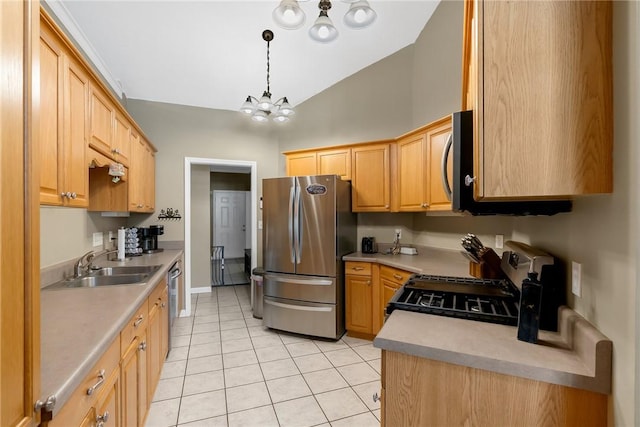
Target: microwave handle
{"type": "Point", "coordinates": [443, 172]}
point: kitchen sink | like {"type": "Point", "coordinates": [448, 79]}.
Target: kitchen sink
{"type": "Point", "coordinates": [125, 270]}
{"type": "Point", "coordinates": [109, 276]}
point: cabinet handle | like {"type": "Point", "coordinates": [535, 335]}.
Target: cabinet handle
{"type": "Point", "coordinates": [74, 195]}
{"type": "Point", "coordinates": [397, 276]}
{"type": "Point", "coordinates": [425, 205]}
{"type": "Point", "coordinates": [357, 268]}
{"type": "Point", "coordinates": [63, 194]}
{"type": "Point", "coordinates": [376, 398]}
{"type": "Point", "coordinates": [97, 385]}
{"type": "Point", "coordinates": [468, 180]}
{"type": "Point", "coordinates": [386, 206]}
{"type": "Point", "coordinates": [102, 419]}
{"type": "Point", "coordinates": [115, 151]}
{"type": "Point", "coordinates": [163, 305]}
{"type": "Point", "coordinates": [142, 346]}
{"type": "Point", "coordinates": [138, 321]}
{"type": "Point", "coordinates": [368, 282]}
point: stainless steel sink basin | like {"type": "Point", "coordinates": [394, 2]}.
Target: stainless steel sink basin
{"type": "Point", "coordinates": [131, 269]}
{"type": "Point", "coordinates": [109, 276]}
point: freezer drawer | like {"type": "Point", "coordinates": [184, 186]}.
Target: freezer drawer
{"type": "Point", "coordinates": [319, 320]}
{"type": "Point", "coordinates": [302, 288]}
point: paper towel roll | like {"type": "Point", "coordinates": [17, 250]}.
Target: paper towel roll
{"type": "Point", "coordinates": [121, 243]}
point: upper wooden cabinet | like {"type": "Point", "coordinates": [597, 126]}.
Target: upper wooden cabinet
{"type": "Point", "coordinates": [370, 176]}
{"type": "Point", "coordinates": [332, 161]}
{"type": "Point", "coordinates": [538, 76]}
{"type": "Point", "coordinates": [437, 136]}
{"type": "Point", "coordinates": [142, 178]}
{"type": "Point", "coordinates": [302, 164]}
{"type": "Point", "coordinates": [121, 147]}
{"type": "Point", "coordinates": [64, 89]}
{"type": "Point", "coordinates": [102, 113]}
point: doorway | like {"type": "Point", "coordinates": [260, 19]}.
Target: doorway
{"type": "Point", "coordinates": [194, 224]}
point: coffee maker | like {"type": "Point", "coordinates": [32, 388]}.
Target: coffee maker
{"type": "Point", "coordinates": [149, 238]}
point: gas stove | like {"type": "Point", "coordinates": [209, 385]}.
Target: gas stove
{"type": "Point", "coordinates": [487, 300]}
{"type": "Point", "coordinates": [494, 301]}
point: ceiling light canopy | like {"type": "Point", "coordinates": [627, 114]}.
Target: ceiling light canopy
{"type": "Point", "coordinates": [260, 109]}
{"type": "Point", "coordinates": [290, 16]}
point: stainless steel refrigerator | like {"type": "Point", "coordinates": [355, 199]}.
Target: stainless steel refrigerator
{"type": "Point", "coordinates": [307, 227]}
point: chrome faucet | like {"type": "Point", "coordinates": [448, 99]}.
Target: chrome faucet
{"type": "Point", "coordinates": [93, 258]}
{"type": "Point", "coordinates": [79, 268]}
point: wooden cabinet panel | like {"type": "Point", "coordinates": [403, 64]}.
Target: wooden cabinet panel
{"type": "Point", "coordinates": [157, 334]}
{"type": "Point", "coordinates": [50, 130]}
{"type": "Point", "coordinates": [356, 268]}
{"type": "Point", "coordinates": [436, 140]}
{"type": "Point", "coordinates": [101, 122]}
{"type": "Point", "coordinates": [335, 162]}
{"type": "Point", "coordinates": [121, 140]}
{"type": "Point", "coordinates": [301, 164]}
{"type": "Point", "coordinates": [412, 175]}
{"type": "Point", "coordinates": [425, 392]}
{"type": "Point", "coordinates": [76, 168]}
{"type": "Point", "coordinates": [391, 279]}
{"type": "Point", "coordinates": [358, 292]}
{"type": "Point", "coordinates": [142, 178]}
{"type": "Point", "coordinates": [134, 381]}
{"type": "Point", "coordinates": [370, 169]}
{"type": "Point", "coordinates": [542, 105]}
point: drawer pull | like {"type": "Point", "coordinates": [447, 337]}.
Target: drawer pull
{"type": "Point", "coordinates": [357, 268]}
{"type": "Point", "coordinates": [138, 321]}
{"type": "Point", "coordinates": [368, 282]}
{"type": "Point", "coordinates": [163, 305]}
{"type": "Point", "coordinates": [397, 276]}
{"type": "Point", "coordinates": [97, 385]}
{"type": "Point", "coordinates": [102, 419]}
{"type": "Point", "coordinates": [376, 398]}
{"type": "Point", "coordinates": [142, 346]}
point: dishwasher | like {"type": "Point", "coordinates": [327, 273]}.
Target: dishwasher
{"type": "Point", "coordinates": [173, 281]}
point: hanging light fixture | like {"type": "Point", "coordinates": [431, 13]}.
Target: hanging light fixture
{"type": "Point", "coordinates": [290, 16]}
{"type": "Point", "coordinates": [260, 109]}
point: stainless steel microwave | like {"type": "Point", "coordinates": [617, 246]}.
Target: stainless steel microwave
{"type": "Point", "coordinates": [460, 146]}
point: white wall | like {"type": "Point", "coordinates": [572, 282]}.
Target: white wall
{"type": "Point", "coordinates": [200, 227]}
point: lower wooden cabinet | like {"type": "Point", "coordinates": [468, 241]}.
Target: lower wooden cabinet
{"type": "Point", "coordinates": [423, 392]}
{"type": "Point", "coordinates": [368, 289]}
{"type": "Point", "coordinates": [359, 298]}
{"type": "Point", "coordinates": [119, 389]}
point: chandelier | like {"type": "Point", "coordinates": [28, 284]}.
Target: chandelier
{"type": "Point", "coordinates": [290, 16]}
{"type": "Point", "coordinates": [260, 109]}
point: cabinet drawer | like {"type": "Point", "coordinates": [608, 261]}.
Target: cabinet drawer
{"type": "Point", "coordinates": [356, 268]}
{"type": "Point", "coordinates": [394, 274]}
{"type": "Point", "coordinates": [137, 323]}
{"type": "Point", "coordinates": [81, 401]}
{"type": "Point", "coordinates": [156, 294]}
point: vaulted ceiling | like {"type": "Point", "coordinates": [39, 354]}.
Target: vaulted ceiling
{"type": "Point", "coordinates": [211, 53]}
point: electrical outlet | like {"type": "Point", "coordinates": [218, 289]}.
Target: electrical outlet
{"type": "Point", "coordinates": [499, 241]}
{"type": "Point", "coordinates": [576, 278]}
{"type": "Point", "coordinates": [398, 234]}
{"type": "Point", "coordinates": [97, 239]}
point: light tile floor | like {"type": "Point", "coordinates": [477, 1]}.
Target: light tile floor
{"type": "Point", "coordinates": [226, 369]}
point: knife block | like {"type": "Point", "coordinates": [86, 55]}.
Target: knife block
{"type": "Point", "coordinates": [488, 267]}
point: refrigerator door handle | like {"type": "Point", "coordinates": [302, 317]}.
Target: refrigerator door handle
{"type": "Point", "coordinates": [297, 307]}
{"type": "Point", "coordinates": [297, 230]}
{"type": "Point", "coordinates": [316, 282]}
{"type": "Point", "coordinates": [291, 225]}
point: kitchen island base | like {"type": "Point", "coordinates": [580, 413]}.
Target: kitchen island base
{"type": "Point", "coordinates": [422, 392]}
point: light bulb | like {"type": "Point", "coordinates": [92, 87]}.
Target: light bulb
{"type": "Point", "coordinates": [360, 15]}
{"type": "Point", "coordinates": [323, 30]}
{"type": "Point", "coordinates": [289, 15]}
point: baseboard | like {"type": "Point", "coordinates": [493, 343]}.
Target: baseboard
{"type": "Point", "coordinates": [201, 290]}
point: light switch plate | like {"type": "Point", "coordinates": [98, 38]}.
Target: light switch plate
{"type": "Point", "coordinates": [97, 239]}
{"type": "Point", "coordinates": [499, 241]}
{"type": "Point", "coordinates": [576, 278]}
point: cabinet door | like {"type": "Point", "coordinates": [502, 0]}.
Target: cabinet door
{"type": "Point", "coordinates": [101, 122]}
{"type": "Point", "coordinates": [76, 115]}
{"type": "Point", "coordinates": [50, 129]}
{"type": "Point", "coordinates": [129, 380]}
{"type": "Point", "coordinates": [136, 174]}
{"type": "Point", "coordinates": [164, 322]}
{"type": "Point", "coordinates": [412, 174]}
{"type": "Point", "coordinates": [154, 333]}
{"type": "Point", "coordinates": [370, 178]}
{"type": "Point", "coordinates": [358, 292]}
{"type": "Point", "coordinates": [302, 164]}
{"type": "Point", "coordinates": [121, 139]}
{"type": "Point", "coordinates": [143, 372]}
{"type": "Point", "coordinates": [436, 141]}
{"type": "Point", "coordinates": [544, 104]}
{"type": "Point", "coordinates": [19, 236]}
{"type": "Point", "coordinates": [149, 179]}
{"type": "Point", "coordinates": [335, 162]}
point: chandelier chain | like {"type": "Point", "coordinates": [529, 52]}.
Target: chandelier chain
{"type": "Point", "coordinates": [268, 68]}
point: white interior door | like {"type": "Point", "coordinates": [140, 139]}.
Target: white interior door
{"type": "Point", "coordinates": [229, 222]}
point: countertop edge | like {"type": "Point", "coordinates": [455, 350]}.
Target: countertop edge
{"type": "Point", "coordinates": [66, 389]}
{"type": "Point", "coordinates": [596, 362]}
